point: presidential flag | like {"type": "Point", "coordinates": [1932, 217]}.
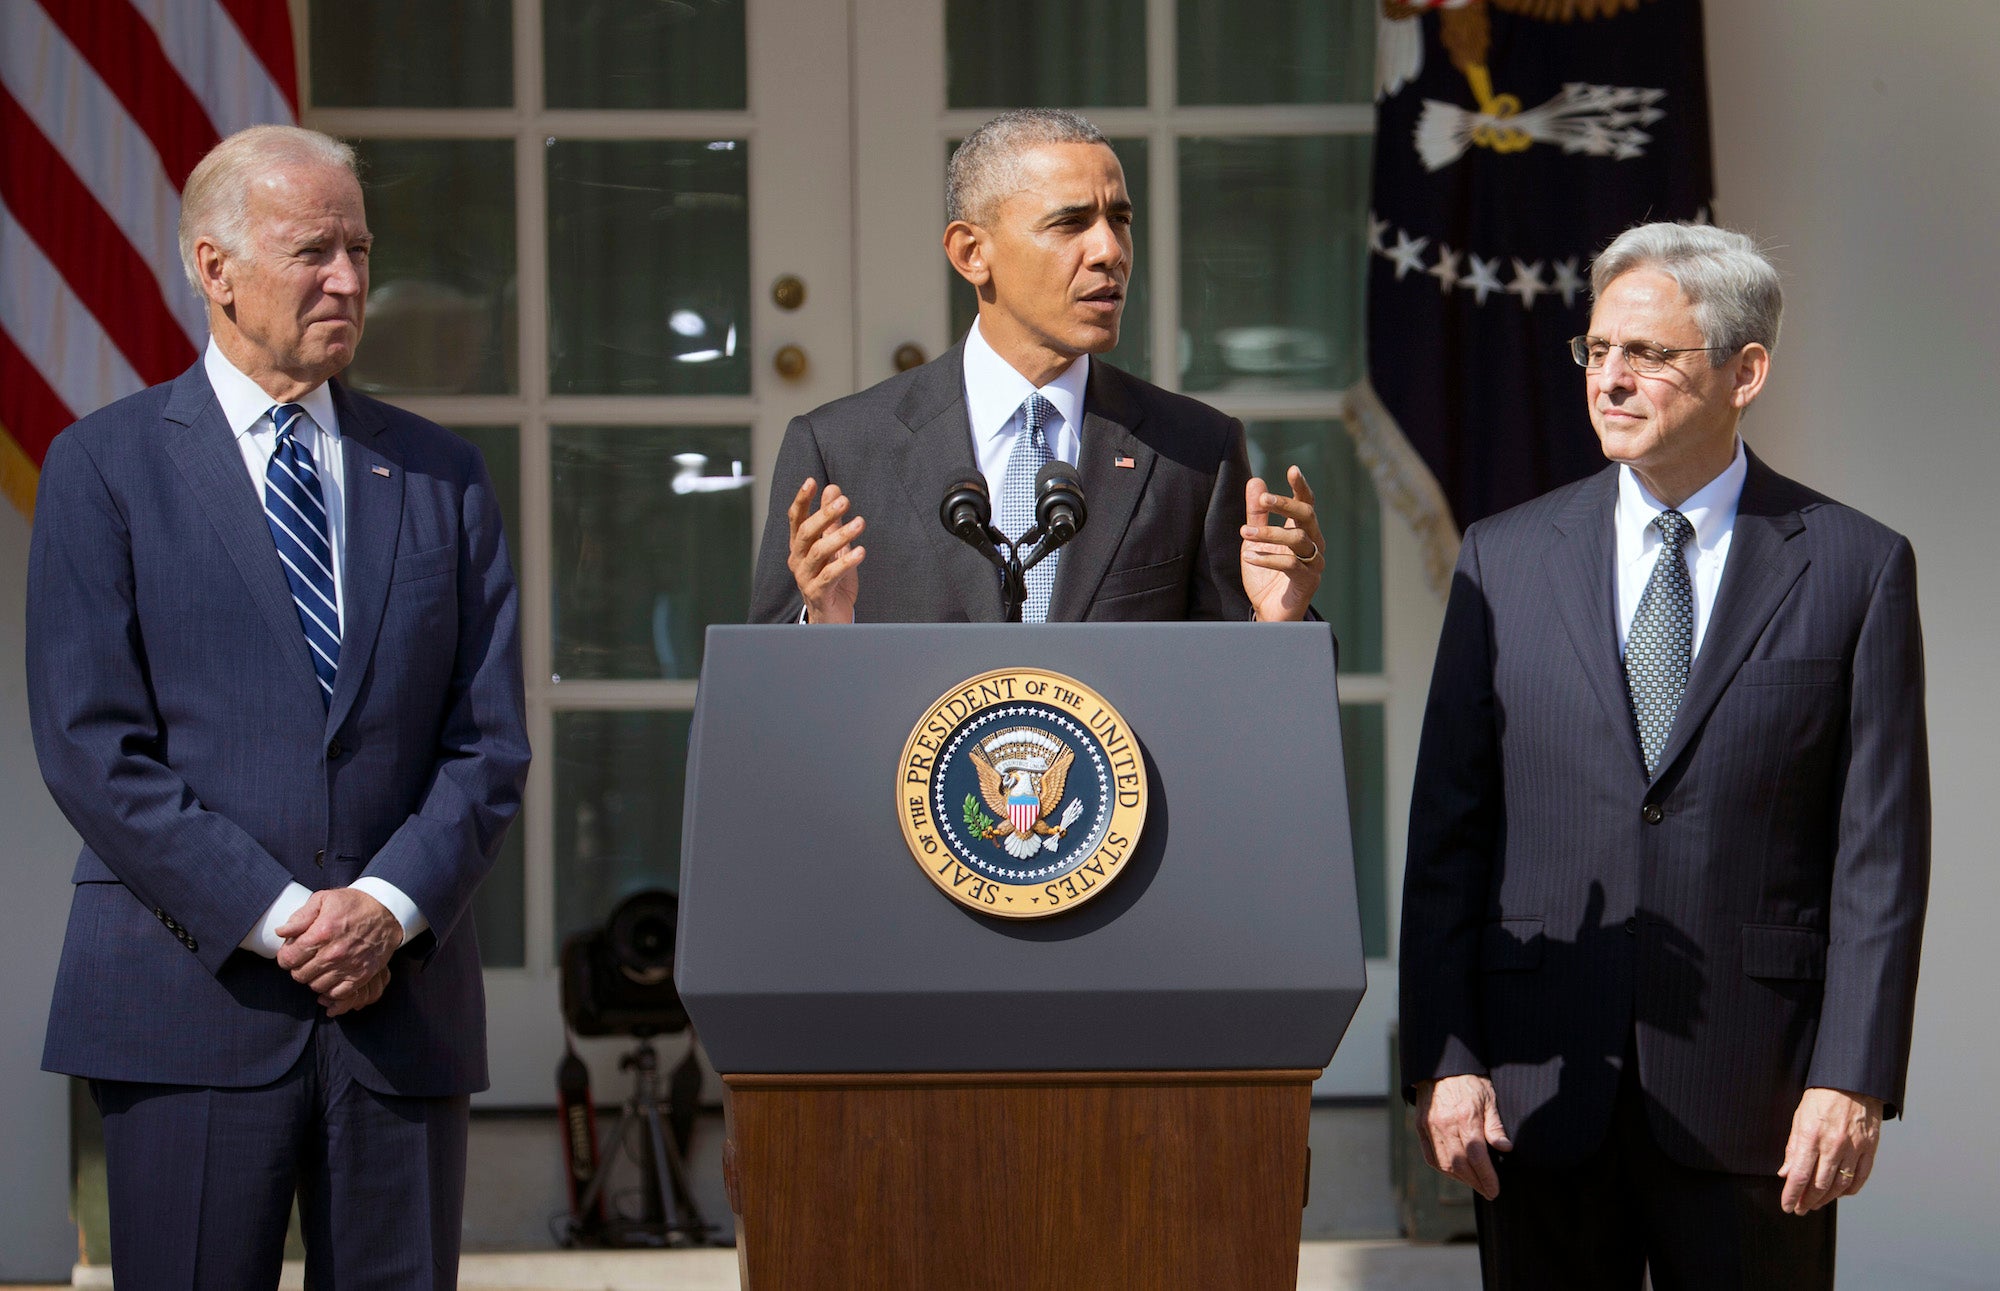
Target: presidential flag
{"type": "Point", "coordinates": [105, 106]}
{"type": "Point", "coordinates": [1514, 139]}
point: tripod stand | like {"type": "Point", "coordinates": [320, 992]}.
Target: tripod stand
{"type": "Point", "coordinates": [669, 1216]}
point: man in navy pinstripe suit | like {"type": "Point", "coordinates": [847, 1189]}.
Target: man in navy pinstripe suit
{"type": "Point", "coordinates": [1669, 843]}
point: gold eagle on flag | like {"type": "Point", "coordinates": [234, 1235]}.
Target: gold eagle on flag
{"type": "Point", "coordinates": [1599, 120]}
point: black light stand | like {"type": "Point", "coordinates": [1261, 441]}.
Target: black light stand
{"type": "Point", "coordinates": [668, 1216]}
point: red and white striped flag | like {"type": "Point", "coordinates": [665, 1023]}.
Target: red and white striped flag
{"type": "Point", "coordinates": [105, 106]}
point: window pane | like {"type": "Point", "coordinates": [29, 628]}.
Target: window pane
{"type": "Point", "coordinates": [394, 54]}
{"type": "Point", "coordinates": [650, 243]}
{"type": "Point", "coordinates": [1363, 743]}
{"type": "Point", "coordinates": [1135, 329]}
{"type": "Point", "coordinates": [1045, 53]}
{"type": "Point", "coordinates": [501, 446]}
{"type": "Point", "coordinates": [644, 54]}
{"type": "Point", "coordinates": [1277, 51]}
{"type": "Point", "coordinates": [441, 296]}
{"type": "Point", "coordinates": [619, 780]}
{"type": "Point", "coordinates": [652, 544]}
{"type": "Point", "coordinates": [1273, 262]}
{"type": "Point", "coordinates": [1350, 595]}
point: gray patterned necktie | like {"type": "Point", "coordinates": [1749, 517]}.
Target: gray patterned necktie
{"type": "Point", "coordinates": [1017, 500]}
{"type": "Point", "coordinates": [1661, 643]}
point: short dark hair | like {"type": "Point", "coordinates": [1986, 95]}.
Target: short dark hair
{"type": "Point", "coordinates": [983, 168]}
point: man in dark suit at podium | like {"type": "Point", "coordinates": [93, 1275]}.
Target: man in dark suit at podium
{"type": "Point", "coordinates": [1040, 225]}
{"type": "Point", "coordinates": [1670, 837]}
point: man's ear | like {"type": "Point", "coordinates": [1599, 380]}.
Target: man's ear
{"type": "Point", "coordinates": [965, 247]}
{"type": "Point", "coordinates": [212, 270]}
{"type": "Point", "coordinates": [1752, 366]}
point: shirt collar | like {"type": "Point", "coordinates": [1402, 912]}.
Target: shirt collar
{"type": "Point", "coordinates": [994, 391]}
{"type": "Point", "coordinates": [1711, 509]}
{"type": "Point", "coordinates": [244, 402]}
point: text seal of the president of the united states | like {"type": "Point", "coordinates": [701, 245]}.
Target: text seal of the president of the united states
{"type": "Point", "coordinates": [1021, 793]}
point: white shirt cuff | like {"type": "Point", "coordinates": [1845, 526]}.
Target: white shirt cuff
{"type": "Point", "coordinates": [264, 939]}
{"type": "Point", "coordinates": [396, 903]}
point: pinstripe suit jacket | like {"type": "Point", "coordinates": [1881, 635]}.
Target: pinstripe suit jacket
{"type": "Point", "coordinates": [1162, 541]}
{"type": "Point", "coordinates": [1750, 916]}
{"type": "Point", "coordinates": [180, 728]}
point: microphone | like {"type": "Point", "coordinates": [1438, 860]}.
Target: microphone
{"type": "Point", "coordinates": [968, 512]}
{"type": "Point", "coordinates": [1059, 509]}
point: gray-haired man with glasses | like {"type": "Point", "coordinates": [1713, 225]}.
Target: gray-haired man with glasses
{"type": "Point", "coordinates": [1670, 836]}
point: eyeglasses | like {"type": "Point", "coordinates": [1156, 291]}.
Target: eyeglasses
{"type": "Point", "coordinates": [1590, 352]}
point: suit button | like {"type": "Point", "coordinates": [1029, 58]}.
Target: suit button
{"type": "Point", "coordinates": [1632, 926]}
{"type": "Point", "coordinates": [334, 750]}
{"type": "Point", "coordinates": [319, 857]}
{"type": "Point", "coordinates": [1652, 813]}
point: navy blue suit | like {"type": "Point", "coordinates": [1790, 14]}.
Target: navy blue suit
{"type": "Point", "coordinates": [180, 728]}
{"type": "Point", "coordinates": [1744, 923]}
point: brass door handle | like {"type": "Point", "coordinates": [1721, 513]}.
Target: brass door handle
{"type": "Point", "coordinates": [909, 355]}
{"type": "Point", "coordinates": [790, 362]}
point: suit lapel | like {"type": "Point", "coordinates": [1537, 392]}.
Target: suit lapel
{"type": "Point", "coordinates": [206, 454]}
{"type": "Point", "coordinates": [374, 510]}
{"type": "Point", "coordinates": [1110, 491]}
{"type": "Point", "coordinates": [934, 454]}
{"type": "Point", "coordinates": [1581, 574]}
{"type": "Point", "coordinates": [1764, 563]}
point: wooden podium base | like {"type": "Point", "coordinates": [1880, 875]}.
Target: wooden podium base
{"type": "Point", "coordinates": [1030, 1181]}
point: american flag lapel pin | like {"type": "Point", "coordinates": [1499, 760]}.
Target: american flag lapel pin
{"type": "Point", "coordinates": [1124, 461]}
{"type": "Point", "coordinates": [382, 471]}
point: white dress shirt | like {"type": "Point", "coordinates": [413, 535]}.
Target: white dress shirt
{"type": "Point", "coordinates": [1712, 512]}
{"type": "Point", "coordinates": [247, 410]}
{"type": "Point", "coordinates": [994, 393]}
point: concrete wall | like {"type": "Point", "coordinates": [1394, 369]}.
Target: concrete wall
{"type": "Point", "coordinates": [1860, 138]}
{"type": "Point", "coordinates": [36, 848]}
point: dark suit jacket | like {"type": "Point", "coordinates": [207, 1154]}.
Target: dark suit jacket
{"type": "Point", "coordinates": [1162, 539]}
{"type": "Point", "coordinates": [1749, 917]}
{"type": "Point", "coordinates": [179, 726]}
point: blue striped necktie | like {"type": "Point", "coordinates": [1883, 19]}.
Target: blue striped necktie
{"type": "Point", "coordinates": [295, 509]}
{"type": "Point", "coordinates": [1017, 499]}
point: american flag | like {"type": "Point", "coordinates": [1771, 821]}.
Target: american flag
{"type": "Point", "coordinates": [105, 106]}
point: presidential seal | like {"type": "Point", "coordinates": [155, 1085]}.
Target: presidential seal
{"type": "Point", "coordinates": [1021, 793]}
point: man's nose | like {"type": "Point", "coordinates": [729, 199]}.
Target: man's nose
{"type": "Point", "coordinates": [345, 278]}
{"type": "Point", "coordinates": [1616, 370]}
{"type": "Point", "coordinates": [1105, 246]}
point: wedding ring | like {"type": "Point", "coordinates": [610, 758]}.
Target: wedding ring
{"type": "Point", "coordinates": [1315, 554]}
{"type": "Point", "coordinates": [1845, 1174]}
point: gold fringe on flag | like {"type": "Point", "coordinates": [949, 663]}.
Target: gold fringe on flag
{"type": "Point", "coordinates": [18, 475]}
{"type": "Point", "coordinates": [1404, 481]}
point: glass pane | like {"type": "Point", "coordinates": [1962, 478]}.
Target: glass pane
{"type": "Point", "coordinates": [619, 780]}
{"type": "Point", "coordinates": [441, 294]}
{"type": "Point", "coordinates": [394, 54]}
{"type": "Point", "coordinates": [1273, 262]}
{"type": "Point", "coordinates": [1045, 53]}
{"type": "Point", "coordinates": [1363, 743]}
{"type": "Point", "coordinates": [1277, 51]}
{"type": "Point", "coordinates": [1135, 329]}
{"type": "Point", "coordinates": [644, 54]}
{"type": "Point", "coordinates": [652, 544]}
{"type": "Point", "coordinates": [501, 446]}
{"type": "Point", "coordinates": [653, 242]}
{"type": "Point", "coordinates": [1350, 595]}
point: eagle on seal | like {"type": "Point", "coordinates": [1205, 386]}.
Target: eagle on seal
{"type": "Point", "coordinates": [1022, 772]}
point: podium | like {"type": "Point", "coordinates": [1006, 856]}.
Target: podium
{"type": "Point", "coordinates": [923, 1096]}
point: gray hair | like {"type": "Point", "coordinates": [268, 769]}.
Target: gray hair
{"type": "Point", "coordinates": [1731, 284]}
{"type": "Point", "coordinates": [985, 167]}
{"type": "Point", "coordinates": [215, 202]}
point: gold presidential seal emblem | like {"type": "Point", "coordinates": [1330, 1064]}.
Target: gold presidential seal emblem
{"type": "Point", "coordinates": [1021, 793]}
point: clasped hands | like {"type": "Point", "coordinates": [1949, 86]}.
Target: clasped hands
{"type": "Point", "coordinates": [1830, 1154]}
{"type": "Point", "coordinates": [1282, 559]}
{"type": "Point", "coordinates": [337, 945]}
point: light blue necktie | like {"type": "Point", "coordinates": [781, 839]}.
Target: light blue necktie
{"type": "Point", "coordinates": [295, 509]}
{"type": "Point", "coordinates": [1017, 500]}
{"type": "Point", "coordinates": [1660, 647]}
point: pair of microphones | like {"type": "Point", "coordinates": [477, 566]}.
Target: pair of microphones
{"type": "Point", "coordinates": [967, 511]}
